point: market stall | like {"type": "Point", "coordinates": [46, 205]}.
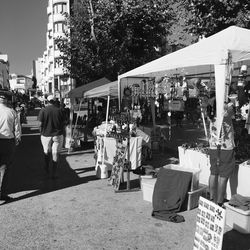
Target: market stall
{"type": "Point", "coordinates": [79, 107]}
{"type": "Point", "coordinates": [217, 54]}
{"type": "Point", "coordinates": [218, 57]}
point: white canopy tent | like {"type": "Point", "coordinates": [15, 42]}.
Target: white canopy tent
{"type": "Point", "coordinates": [107, 90]}
{"type": "Point", "coordinates": [220, 51]}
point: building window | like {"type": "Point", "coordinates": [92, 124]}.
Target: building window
{"type": "Point", "coordinates": [58, 63]}
{"type": "Point", "coordinates": [60, 8]}
{"type": "Point", "coordinates": [59, 27]}
{"type": "Point", "coordinates": [50, 87]}
{"type": "Point", "coordinates": [56, 84]}
{"type": "Point", "coordinates": [50, 67]}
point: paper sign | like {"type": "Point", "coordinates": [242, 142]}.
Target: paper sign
{"type": "Point", "coordinates": [210, 223]}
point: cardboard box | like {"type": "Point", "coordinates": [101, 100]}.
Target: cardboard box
{"type": "Point", "coordinates": [238, 219]}
{"type": "Point", "coordinates": [147, 185]}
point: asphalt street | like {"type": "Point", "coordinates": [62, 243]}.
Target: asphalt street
{"type": "Point", "coordinates": [79, 211]}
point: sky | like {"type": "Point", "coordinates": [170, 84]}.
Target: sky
{"type": "Point", "coordinates": [23, 25]}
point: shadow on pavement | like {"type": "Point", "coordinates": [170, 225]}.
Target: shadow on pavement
{"type": "Point", "coordinates": [233, 240]}
{"type": "Point", "coordinates": [27, 177]}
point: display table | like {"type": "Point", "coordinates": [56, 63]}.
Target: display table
{"type": "Point", "coordinates": [110, 150]}
{"type": "Point", "coordinates": [238, 183]}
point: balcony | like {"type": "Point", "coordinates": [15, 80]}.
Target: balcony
{"type": "Point", "coordinates": [60, 1]}
{"type": "Point", "coordinates": [57, 54]}
{"type": "Point", "coordinates": [50, 42]}
{"type": "Point", "coordinates": [58, 72]}
{"type": "Point", "coordinates": [58, 18]}
{"type": "Point", "coordinates": [58, 34]}
{"type": "Point", "coordinates": [51, 59]}
{"type": "Point", "coordinates": [50, 26]}
{"type": "Point", "coordinates": [50, 74]}
{"type": "Point", "coordinates": [49, 10]}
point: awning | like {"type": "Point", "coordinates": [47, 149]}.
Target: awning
{"type": "Point", "coordinates": [79, 92]}
{"type": "Point", "coordinates": [109, 89]}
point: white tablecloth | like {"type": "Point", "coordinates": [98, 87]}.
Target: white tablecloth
{"type": "Point", "coordinates": [110, 150]}
{"type": "Point", "coordinates": [238, 183]}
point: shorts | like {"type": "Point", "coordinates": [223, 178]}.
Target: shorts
{"type": "Point", "coordinates": [52, 143]}
{"type": "Point", "coordinates": [7, 147]}
{"type": "Point", "coordinates": [227, 162]}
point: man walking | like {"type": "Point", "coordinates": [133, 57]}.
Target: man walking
{"type": "Point", "coordinates": [52, 123]}
{"type": "Point", "coordinates": [10, 136]}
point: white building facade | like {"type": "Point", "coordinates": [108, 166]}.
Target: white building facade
{"type": "Point", "coordinates": [20, 83]}
{"type": "Point", "coordinates": [54, 78]}
{"type": "Point", "coordinates": [37, 72]}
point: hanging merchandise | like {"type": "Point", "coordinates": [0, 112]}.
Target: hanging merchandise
{"type": "Point", "coordinates": [127, 99]}
{"type": "Point", "coordinates": [151, 89]}
{"type": "Point", "coordinates": [143, 88]}
{"type": "Point", "coordinates": [135, 94]}
{"type": "Point", "coordinates": [185, 89]}
{"type": "Point", "coordinates": [163, 87]}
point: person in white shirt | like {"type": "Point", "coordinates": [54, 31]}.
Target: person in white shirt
{"type": "Point", "coordinates": [10, 136]}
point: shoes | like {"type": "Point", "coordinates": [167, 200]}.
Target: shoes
{"type": "Point", "coordinates": [6, 198]}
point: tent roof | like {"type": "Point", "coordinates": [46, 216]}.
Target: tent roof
{"type": "Point", "coordinates": [109, 89]}
{"type": "Point", "coordinates": [79, 92]}
{"type": "Point", "coordinates": [209, 51]}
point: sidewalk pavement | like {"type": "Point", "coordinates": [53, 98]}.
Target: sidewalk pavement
{"type": "Point", "coordinates": [79, 211]}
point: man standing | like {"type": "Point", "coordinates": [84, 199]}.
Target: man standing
{"type": "Point", "coordinates": [10, 136]}
{"type": "Point", "coordinates": [52, 123]}
{"type": "Point", "coordinates": [222, 159]}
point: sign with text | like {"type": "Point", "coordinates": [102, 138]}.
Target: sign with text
{"type": "Point", "coordinates": [210, 223]}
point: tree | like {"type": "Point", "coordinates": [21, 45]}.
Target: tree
{"type": "Point", "coordinates": [211, 16]}
{"type": "Point", "coordinates": [109, 37]}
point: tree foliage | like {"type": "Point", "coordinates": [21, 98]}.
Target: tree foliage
{"type": "Point", "coordinates": [109, 37]}
{"type": "Point", "coordinates": [208, 17]}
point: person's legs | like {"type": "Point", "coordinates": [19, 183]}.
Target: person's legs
{"type": "Point", "coordinates": [56, 147]}
{"type": "Point", "coordinates": [227, 165]}
{"type": "Point", "coordinates": [46, 143]}
{"type": "Point", "coordinates": [213, 179]}
{"type": "Point", "coordinates": [213, 185]}
{"type": "Point", "coordinates": [2, 172]}
{"type": "Point", "coordinates": [222, 187]}
{"type": "Point", "coordinates": [7, 152]}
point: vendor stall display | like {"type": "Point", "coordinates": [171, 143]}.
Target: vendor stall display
{"type": "Point", "coordinates": [196, 156]}
{"type": "Point", "coordinates": [101, 88]}
{"type": "Point", "coordinates": [216, 54]}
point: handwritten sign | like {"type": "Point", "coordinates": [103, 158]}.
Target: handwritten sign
{"type": "Point", "coordinates": [210, 223]}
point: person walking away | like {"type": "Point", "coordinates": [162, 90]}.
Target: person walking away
{"type": "Point", "coordinates": [52, 123]}
{"type": "Point", "coordinates": [10, 137]}
{"type": "Point", "coordinates": [222, 156]}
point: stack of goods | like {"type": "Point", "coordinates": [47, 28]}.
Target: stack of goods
{"type": "Point", "coordinates": [201, 147]}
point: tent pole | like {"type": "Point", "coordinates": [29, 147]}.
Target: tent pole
{"type": "Point", "coordinates": [74, 129]}
{"type": "Point", "coordinates": [152, 104]}
{"type": "Point", "coordinates": [203, 119]}
{"type": "Point", "coordinates": [106, 125]}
